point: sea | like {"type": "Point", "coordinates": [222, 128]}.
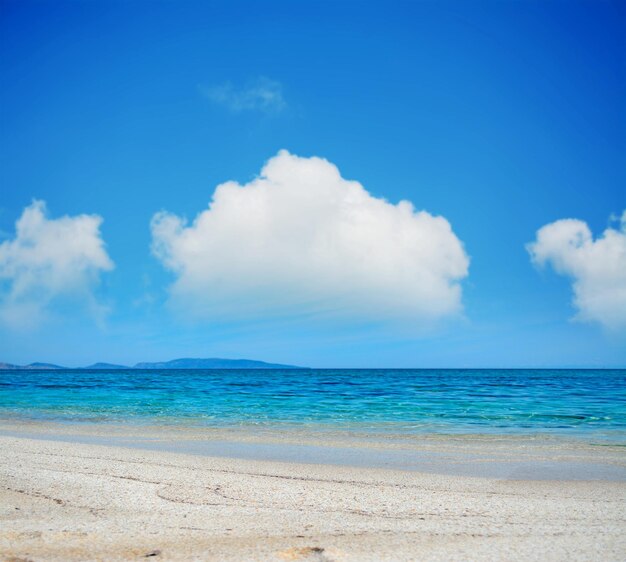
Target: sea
{"type": "Point", "coordinates": [581, 404]}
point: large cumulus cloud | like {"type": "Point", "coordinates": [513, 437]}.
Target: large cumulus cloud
{"type": "Point", "coordinates": [49, 260]}
{"type": "Point", "coordinates": [301, 241]}
{"type": "Point", "coordinates": [597, 267]}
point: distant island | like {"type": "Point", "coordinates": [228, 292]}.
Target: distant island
{"type": "Point", "coordinates": [186, 363]}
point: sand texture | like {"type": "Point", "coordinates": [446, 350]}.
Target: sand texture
{"type": "Point", "coordinates": [70, 501]}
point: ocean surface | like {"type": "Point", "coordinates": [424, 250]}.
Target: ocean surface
{"type": "Point", "coordinates": [588, 404]}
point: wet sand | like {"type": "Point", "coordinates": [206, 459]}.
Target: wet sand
{"type": "Point", "coordinates": [61, 499]}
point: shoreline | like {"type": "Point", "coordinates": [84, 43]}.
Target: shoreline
{"type": "Point", "coordinates": [70, 501]}
{"type": "Point", "coordinates": [489, 456]}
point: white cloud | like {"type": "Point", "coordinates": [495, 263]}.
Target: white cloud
{"type": "Point", "coordinates": [262, 95]}
{"type": "Point", "coordinates": [48, 261]}
{"type": "Point", "coordinates": [302, 241]}
{"type": "Point", "coordinates": [597, 267]}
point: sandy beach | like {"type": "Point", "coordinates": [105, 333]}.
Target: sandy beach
{"type": "Point", "coordinates": [66, 500]}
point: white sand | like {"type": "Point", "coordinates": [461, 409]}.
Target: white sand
{"type": "Point", "coordinates": [69, 501]}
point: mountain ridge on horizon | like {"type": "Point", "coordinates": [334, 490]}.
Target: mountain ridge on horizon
{"type": "Point", "coordinates": [182, 363]}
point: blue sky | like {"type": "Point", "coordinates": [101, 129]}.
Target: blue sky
{"type": "Point", "coordinates": [501, 117]}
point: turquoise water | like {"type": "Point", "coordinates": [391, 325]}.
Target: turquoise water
{"type": "Point", "coordinates": [577, 403]}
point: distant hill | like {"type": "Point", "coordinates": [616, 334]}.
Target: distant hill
{"type": "Point", "coordinates": [31, 367]}
{"type": "Point", "coordinates": [9, 366]}
{"type": "Point", "coordinates": [212, 363]}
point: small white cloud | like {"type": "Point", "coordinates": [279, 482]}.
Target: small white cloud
{"type": "Point", "coordinates": [47, 261]}
{"type": "Point", "coordinates": [261, 95]}
{"type": "Point", "coordinates": [597, 267]}
{"type": "Point", "coordinates": [302, 241]}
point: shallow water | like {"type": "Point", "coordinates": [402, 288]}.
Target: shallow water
{"type": "Point", "coordinates": [589, 404]}
{"type": "Point", "coordinates": [523, 461]}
